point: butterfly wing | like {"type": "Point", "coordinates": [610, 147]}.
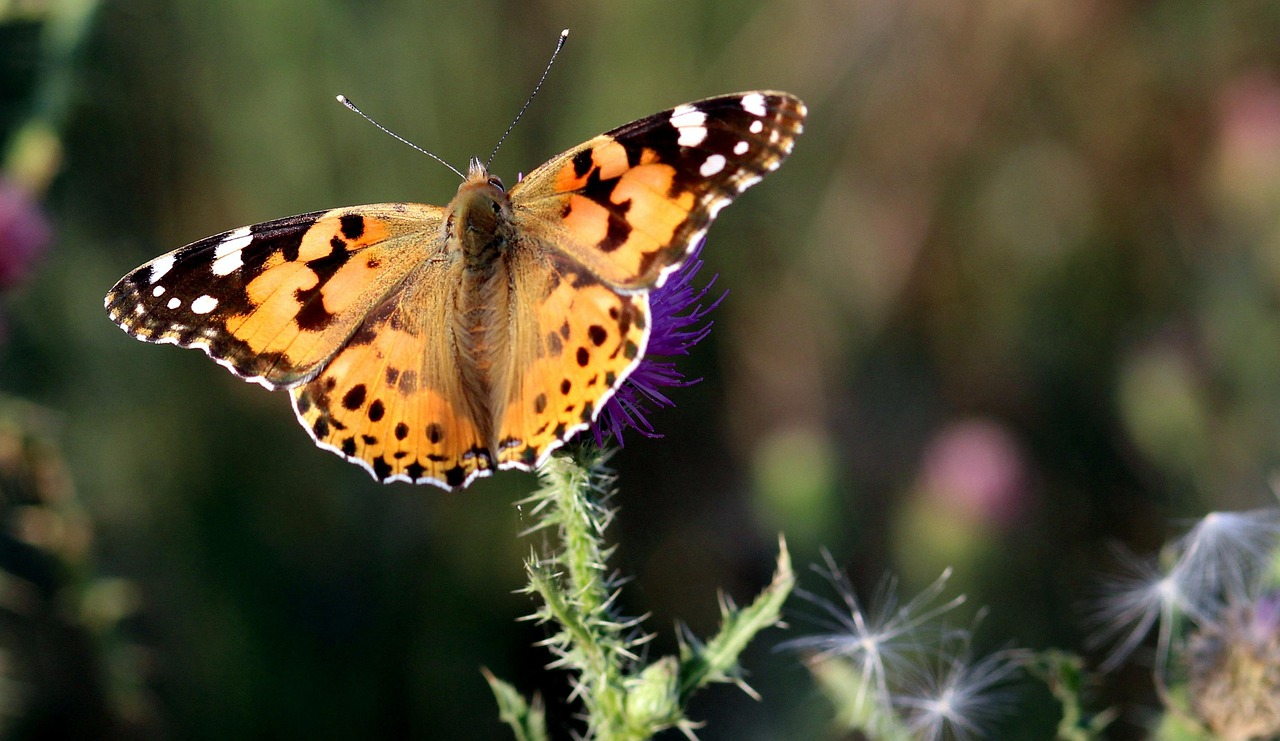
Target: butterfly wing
{"type": "Point", "coordinates": [393, 398]}
{"type": "Point", "coordinates": [274, 301]}
{"type": "Point", "coordinates": [573, 340]}
{"type": "Point", "coordinates": [602, 224]}
{"type": "Point", "coordinates": [630, 204]}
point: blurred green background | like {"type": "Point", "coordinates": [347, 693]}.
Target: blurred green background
{"type": "Point", "coordinates": [1015, 297]}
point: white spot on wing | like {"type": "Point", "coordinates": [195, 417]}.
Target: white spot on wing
{"type": "Point", "coordinates": [691, 124]}
{"type": "Point", "coordinates": [692, 136]}
{"type": "Point", "coordinates": [227, 257]}
{"type": "Point", "coordinates": [158, 291]}
{"type": "Point", "coordinates": [741, 148]}
{"type": "Point", "coordinates": [747, 181]}
{"type": "Point", "coordinates": [687, 115]}
{"type": "Point", "coordinates": [757, 127]}
{"type": "Point", "coordinates": [204, 304]}
{"type": "Point", "coordinates": [753, 103]}
{"type": "Point", "coordinates": [174, 302]}
{"type": "Point", "coordinates": [160, 266]}
{"type": "Point", "coordinates": [234, 242]}
{"type": "Point", "coordinates": [714, 164]}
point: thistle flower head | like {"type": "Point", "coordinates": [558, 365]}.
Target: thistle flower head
{"type": "Point", "coordinates": [678, 321]}
{"type": "Point", "coordinates": [1233, 670]}
{"type": "Point", "coordinates": [24, 232]}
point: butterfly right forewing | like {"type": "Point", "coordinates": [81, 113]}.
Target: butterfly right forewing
{"type": "Point", "coordinates": [630, 204]}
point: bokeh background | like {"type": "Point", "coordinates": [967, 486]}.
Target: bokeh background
{"type": "Point", "coordinates": [1015, 297]}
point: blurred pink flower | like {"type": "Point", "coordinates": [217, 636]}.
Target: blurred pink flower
{"type": "Point", "coordinates": [1248, 157]}
{"type": "Point", "coordinates": [1251, 118]}
{"type": "Point", "coordinates": [24, 233]}
{"type": "Point", "coordinates": [975, 469]}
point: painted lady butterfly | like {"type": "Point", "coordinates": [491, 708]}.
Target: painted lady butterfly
{"type": "Point", "coordinates": [433, 345]}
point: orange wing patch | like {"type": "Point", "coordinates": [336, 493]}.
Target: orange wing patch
{"type": "Point", "coordinates": [392, 398]}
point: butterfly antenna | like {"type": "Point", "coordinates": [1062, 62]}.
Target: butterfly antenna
{"type": "Point", "coordinates": [559, 45]}
{"type": "Point", "coordinates": [352, 106]}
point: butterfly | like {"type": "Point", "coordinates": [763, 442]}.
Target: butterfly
{"type": "Point", "coordinates": [436, 345]}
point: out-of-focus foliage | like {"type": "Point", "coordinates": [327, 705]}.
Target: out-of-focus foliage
{"type": "Point", "coordinates": [1014, 297]}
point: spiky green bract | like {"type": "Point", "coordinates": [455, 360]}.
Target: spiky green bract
{"type": "Point", "coordinates": [717, 659]}
{"type": "Point", "coordinates": [624, 698]}
{"type": "Point", "coordinates": [526, 719]}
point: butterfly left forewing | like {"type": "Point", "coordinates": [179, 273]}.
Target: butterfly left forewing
{"type": "Point", "coordinates": [272, 302]}
{"type": "Point", "coordinates": [630, 204]}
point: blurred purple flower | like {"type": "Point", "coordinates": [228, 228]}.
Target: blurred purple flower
{"type": "Point", "coordinates": [24, 233]}
{"type": "Point", "coordinates": [975, 469]}
{"type": "Point", "coordinates": [679, 321]}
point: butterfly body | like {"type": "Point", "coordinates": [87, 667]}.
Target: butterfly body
{"type": "Point", "coordinates": [435, 345]}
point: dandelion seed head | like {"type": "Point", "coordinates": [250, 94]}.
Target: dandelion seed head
{"type": "Point", "coordinates": [880, 643]}
{"type": "Point", "coordinates": [957, 697]}
{"type": "Point", "coordinates": [1221, 557]}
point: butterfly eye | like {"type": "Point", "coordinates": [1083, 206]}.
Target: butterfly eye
{"type": "Point", "coordinates": [496, 182]}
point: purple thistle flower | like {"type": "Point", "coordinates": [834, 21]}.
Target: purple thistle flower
{"type": "Point", "coordinates": [678, 322]}
{"type": "Point", "coordinates": [24, 233]}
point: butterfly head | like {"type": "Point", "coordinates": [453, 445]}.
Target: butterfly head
{"type": "Point", "coordinates": [479, 219]}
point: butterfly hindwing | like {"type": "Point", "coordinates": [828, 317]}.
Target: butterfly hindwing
{"type": "Point", "coordinates": [630, 204]}
{"type": "Point", "coordinates": [574, 341]}
{"type": "Point", "coordinates": [393, 398]}
{"type": "Point", "coordinates": [273, 301]}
